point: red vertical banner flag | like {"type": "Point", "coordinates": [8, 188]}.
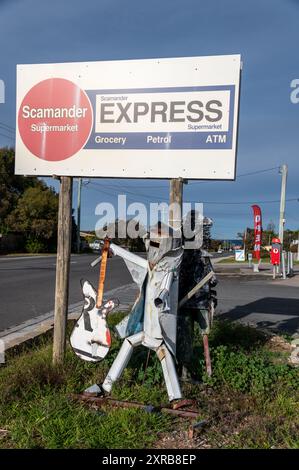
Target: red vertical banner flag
{"type": "Point", "coordinates": [257, 214]}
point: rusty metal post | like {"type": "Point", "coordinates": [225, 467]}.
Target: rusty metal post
{"type": "Point", "coordinates": [207, 354]}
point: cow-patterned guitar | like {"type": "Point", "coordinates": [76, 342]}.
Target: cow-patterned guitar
{"type": "Point", "coordinates": [90, 338]}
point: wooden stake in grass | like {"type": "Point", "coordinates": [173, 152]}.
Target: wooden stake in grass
{"type": "Point", "coordinates": [64, 233]}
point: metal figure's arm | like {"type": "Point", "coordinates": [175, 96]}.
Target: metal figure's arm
{"type": "Point", "coordinates": [135, 264]}
{"type": "Point", "coordinates": [128, 256]}
{"type": "Point", "coordinates": [125, 254]}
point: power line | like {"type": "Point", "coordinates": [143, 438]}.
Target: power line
{"type": "Point", "coordinates": [8, 136]}
{"type": "Point", "coordinates": [148, 196]}
{"type": "Point", "coordinates": [154, 186]}
{"type": "Point", "coordinates": [258, 171]}
{"type": "Point", "coordinates": [6, 130]}
{"type": "Point", "coordinates": [102, 191]}
{"type": "Point", "coordinates": [6, 125]}
{"type": "Point", "coordinates": [143, 185]}
{"type": "Point", "coordinates": [249, 202]}
{"type": "Point", "coordinates": [242, 174]}
{"type": "Point", "coordinates": [288, 216]}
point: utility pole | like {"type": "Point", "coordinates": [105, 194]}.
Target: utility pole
{"type": "Point", "coordinates": [284, 172]}
{"type": "Point", "coordinates": [79, 214]}
{"type": "Point", "coordinates": [64, 241]}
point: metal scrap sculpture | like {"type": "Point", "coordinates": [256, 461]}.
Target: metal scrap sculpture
{"type": "Point", "coordinates": [159, 320]}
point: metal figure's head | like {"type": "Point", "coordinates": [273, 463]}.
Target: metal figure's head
{"type": "Point", "coordinates": [161, 240]}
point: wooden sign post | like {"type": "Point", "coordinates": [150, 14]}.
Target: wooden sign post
{"type": "Point", "coordinates": [176, 198]}
{"type": "Point", "coordinates": [64, 236]}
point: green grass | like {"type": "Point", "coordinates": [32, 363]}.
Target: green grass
{"type": "Point", "coordinates": [250, 401]}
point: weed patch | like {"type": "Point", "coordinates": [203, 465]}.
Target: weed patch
{"type": "Point", "coordinates": [251, 400]}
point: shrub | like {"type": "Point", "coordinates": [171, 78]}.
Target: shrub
{"type": "Point", "coordinates": [33, 245]}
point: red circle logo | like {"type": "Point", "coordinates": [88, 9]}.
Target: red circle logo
{"type": "Point", "coordinates": [55, 119]}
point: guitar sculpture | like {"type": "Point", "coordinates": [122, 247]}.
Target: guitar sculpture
{"type": "Point", "coordinates": [90, 338]}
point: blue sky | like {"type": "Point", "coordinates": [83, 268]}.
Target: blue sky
{"type": "Point", "coordinates": [266, 33]}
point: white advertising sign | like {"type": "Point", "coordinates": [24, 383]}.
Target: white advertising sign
{"type": "Point", "coordinates": [240, 255]}
{"type": "Point", "coordinates": [152, 118]}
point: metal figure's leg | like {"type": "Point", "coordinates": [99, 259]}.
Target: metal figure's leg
{"type": "Point", "coordinates": [169, 372]}
{"type": "Point", "coordinates": [121, 360]}
{"type": "Point", "coordinates": [205, 319]}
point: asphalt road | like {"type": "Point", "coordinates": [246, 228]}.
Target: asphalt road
{"type": "Point", "coordinates": [261, 301]}
{"type": "Point", "coordinates": [27, 290]}
{"type": "Point", "coordinates": [27, 285]}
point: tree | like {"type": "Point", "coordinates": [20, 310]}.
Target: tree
{"type": "Point", "coordinates": [35, 215]}
{"type": "Point", "coordinates": [11, 186]}
{"type": "Point", "coordinates": [215, 244]}
{"type": "Point", "coordinates": [271, 227]}
{"type": "Point", "coordinates": [206, 237]}
{"type": "Point", "coordinates": [288, 238]}
{"type": "Point", "coordinates": [27, 206]}
{"type": "Point", "coordinates": [249, 238]}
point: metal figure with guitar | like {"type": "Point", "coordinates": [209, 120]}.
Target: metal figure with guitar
{"type": "Point", "coordinates": [152, 321]}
